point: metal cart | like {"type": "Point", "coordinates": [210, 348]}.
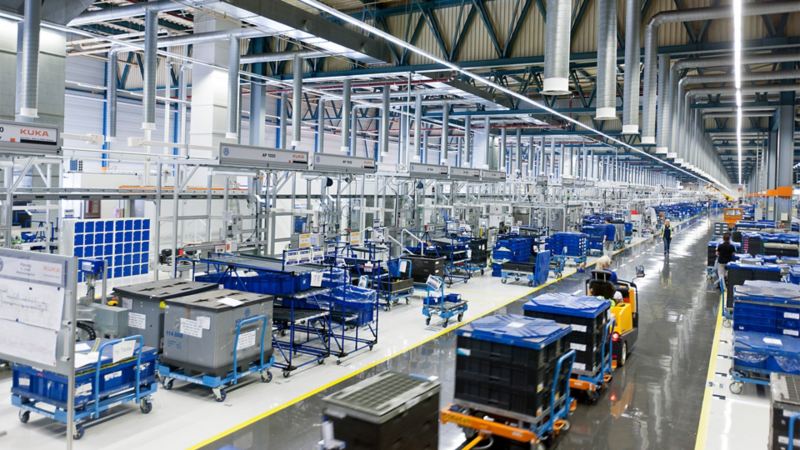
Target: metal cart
{"type": "Point", "coordinates": [217, 384]}
{"type": "Point", "coordinates": [536, 274]}
{"type": "Point", "coordinates": [436, 302]}
{"type": "Point", "coordinates": [115, 378]}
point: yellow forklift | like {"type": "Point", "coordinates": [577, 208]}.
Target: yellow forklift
{"type": "Point", "coordinates": [625, 311]}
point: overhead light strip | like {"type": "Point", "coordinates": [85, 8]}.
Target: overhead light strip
{"type": "Point", "coordinates": [401, 43]}
{"type": "Point", "coordinates": [737, 77]}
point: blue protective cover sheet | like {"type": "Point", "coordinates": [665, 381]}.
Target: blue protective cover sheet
{"type": "Point", "coordinates": [763, 267]}
{"type": "Point", "coordinates": [766, 352]}
{"type": "Point", "coordinates": [767, 291]}
{"type": "Point", "coordinates": [516, 330]}
{"type": "Point", "coordinates": [568, 305]}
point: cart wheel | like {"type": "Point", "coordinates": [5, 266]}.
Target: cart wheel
{"type": "Point", "coordinates": [482, 272]}
{"type": "Point", "coordinates": [623, 354]}
{"type": "Point", "coordinates": [460, 317]}
{"type": "Point", "coordinates": [266, 376]}
{"type": "Point", "coordinates": [219, 394]}
{"type": "Point", "coordinates": [78, 433]}
{"type": "Point", "coordinates": [338, 362]}
{"type": "Point", "coordinates": [427, 321]}
{"type": "Point", "coordinates": [407, 300]}
{"type": "Point", "coordinates": [503, 280]}
{"type": "Point", "coordinates": [24, 416]}
{"type": "Point", "coordinates": [530, 283]}
{"type": "Point", "coordinates": [538, 446]}
{"type": "Point", "coordinates": [166, 383]}
{"type": "Point", "coordinates": [286, 373]}
{"type": "Point", "coordinates": [566, 426]}
{"type": "Point", "coordinates": [736, 387]}
{"type": "Point", "coordinates": [145, 405]}
{"type": "Point", "coordinates": [726, 323]}
{"type": "Point", "coordinates": [320, 361]}
{"type": "Point", "coordinates": [370, 347]}
{"type": "Point", "coordinates": [516, 278]}
{"type": "Point", "coordinates": [444, 325]}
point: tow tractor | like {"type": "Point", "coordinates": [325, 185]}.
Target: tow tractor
{"type": "Point", "coordinates": [626, 312]}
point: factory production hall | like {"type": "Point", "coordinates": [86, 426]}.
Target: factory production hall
{"type": "Point", "coordinates": [399, 224]}
{"type": "Point", "coordinates": [654, 401]}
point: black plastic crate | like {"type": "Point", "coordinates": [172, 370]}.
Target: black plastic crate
{"type": "Point", "coordinates": [585, 338]}
{"type": "Point", "coordinates": [529, 402]}
{"type": "Point", "coordinates": [423, 266]}
{"type": "Point", "coordinates": [737, 275]}
{"type": "Point", "coordinates": [518, 356]}
{"type": "Point", "coordinates": [389, 411]}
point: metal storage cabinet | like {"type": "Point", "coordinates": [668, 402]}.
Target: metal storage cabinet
{"type": "Point", "coordinates": [388, 411]}
{"type": "Point", "coordinates": [785, 402]}
{"type": "Point", "coordinates": [200, 330]}
{"type": "Point", "coordinates": [146, 313]}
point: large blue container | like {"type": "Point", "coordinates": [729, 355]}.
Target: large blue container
{"type": "Point", "coordinates": [515, 330]}
{"type": "Point", "coordinates": [568, 305]}
{"type": "Point", "coordinates": [273, 283]}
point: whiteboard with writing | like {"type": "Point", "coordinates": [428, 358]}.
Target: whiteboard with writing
{"type": "Point", "coordinates": [37, 299]}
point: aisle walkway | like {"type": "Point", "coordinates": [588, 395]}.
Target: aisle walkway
{"type": "Point", "coordinates": [654, 402]}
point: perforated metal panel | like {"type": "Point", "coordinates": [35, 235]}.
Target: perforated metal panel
{"type": "Point", "coordinates": [123, 243]}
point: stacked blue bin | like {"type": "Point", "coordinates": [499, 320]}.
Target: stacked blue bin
{"type": "Point", "coordinates": [517, 249]}
{"type": "Point", "coordinates": [766, 318]}
{"type": "Point", "coordinates": [575, 244]}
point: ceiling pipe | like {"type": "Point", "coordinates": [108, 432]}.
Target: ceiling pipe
{"type": "Point", "coordinates": [213, 36]}
{"type": "Point", "coordinates": [606, 60]}
{"type": "Point", "coordinates": [28, 90]}
{"type": "Point", "coordinates": [557, 47]}
{"type": "Point", "coordinates": [282, 56]}
{"type": "Point", "coordinates": [297, 99]}
{"type": "Point", "coordinates": [689, 15]}
{"type": "Point", "coordinates": [111, 97]}
{"type": "Point", "coordinates": [234, 53]}
{"type": "Point", "coordinates": [150, 65]}
{"type": "Point", "coordinates": [128, 12]}
{"type": "Point", "coordinates": [385, 122]}
{"type": "Point", "coordinates": [630, 101]}
{"type": "Point", "coordinates": [347, 108]}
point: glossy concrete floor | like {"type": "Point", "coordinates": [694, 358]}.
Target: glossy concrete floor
{"type": "Point", "coordinates": [653, 402]}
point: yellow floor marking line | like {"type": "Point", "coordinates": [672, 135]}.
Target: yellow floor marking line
{"type": "Point", "coordinates": [705, 411]}
{"type": "Point", "coordinates": [383, 360]}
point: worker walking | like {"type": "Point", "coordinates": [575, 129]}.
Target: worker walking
{"type": "Point", "coordinates": [666, 234]}
{"type": "Point", "coordinates": [725, 254]}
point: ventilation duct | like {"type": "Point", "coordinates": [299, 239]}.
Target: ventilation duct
{"type": "Point", "coordinates": [234, 53]}
{"type": "Point", "coordinates": [690, 15]}
{"type": "Point", "coordinates": [297, 99]}
{"type": "Point", "coordinates": [557, 47]}
{"type": "Point", "coordinates": [630, 101]}
{"type": "Point", "coordinates": [150, 66]}
{"type": "Point", "coordinates": [29, 64]}
{"type": "Point", "coordinates": [606, 60]}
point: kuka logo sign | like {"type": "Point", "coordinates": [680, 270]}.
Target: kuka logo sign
{"type": "Point", "coordinates": [34, 132]}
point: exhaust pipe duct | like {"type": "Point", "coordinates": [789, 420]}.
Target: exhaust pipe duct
{"type": "Point", "coordinates": [29, 64]}
{"type": "Point", "coordinates": [606, 60]}
{"type": "Point", "coordinates": [233, 89]}
{"type": "Point", "coordinates": [557, 46]}
{"type": "Point", "coordinates": [150, 65]}
{"type": "Point", "coordinates": [690, 15]}
{"type": "Point", "coordinates": [630, 103]}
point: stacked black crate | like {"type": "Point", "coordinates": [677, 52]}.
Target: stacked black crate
{"type": "Point", "coordinates": [506, 364]}
{"type": "Point", "coordinates": [387, 411]}
{"type": "Point", "coordinates": [587, 316]}
{"type": "Point", "coordinates": [785, 403]}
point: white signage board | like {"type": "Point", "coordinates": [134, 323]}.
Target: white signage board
{"type": "Point", "coordinates": [29, 138]}
{"type": "Point", "coordinates": [37, 297]}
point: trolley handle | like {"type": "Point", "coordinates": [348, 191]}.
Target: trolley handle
{"type": "Point", "coordinates": [260, 318]}
{"type": "Point", "coordinates": [137, 351]}
{"type": "Point", "coordinates": [792, 419]}
{"type": "Point", "coordinates": [567, 358]}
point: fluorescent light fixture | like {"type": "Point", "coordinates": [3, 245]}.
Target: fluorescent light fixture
{"type": "Point", "coordinates": [455, 67]}
{"type": "Point", "coordinates": [737, 76]}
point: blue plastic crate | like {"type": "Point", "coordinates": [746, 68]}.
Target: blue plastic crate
{"type": "Point", "coordinates": [51, 388]}
{"type": "Point", "coordinates": [273, 283]}
{"type": "Point", "coordinates": [767, 352]}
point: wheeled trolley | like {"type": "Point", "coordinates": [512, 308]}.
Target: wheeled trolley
{"type": "Point", "coordinates": [219, 384]}
{"type": "Point", "coordinates": [436, 302]}
{"type": "Point", "coordinates": [124, 372]}
{"type": "Point", "coordinates": [483, 423]}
